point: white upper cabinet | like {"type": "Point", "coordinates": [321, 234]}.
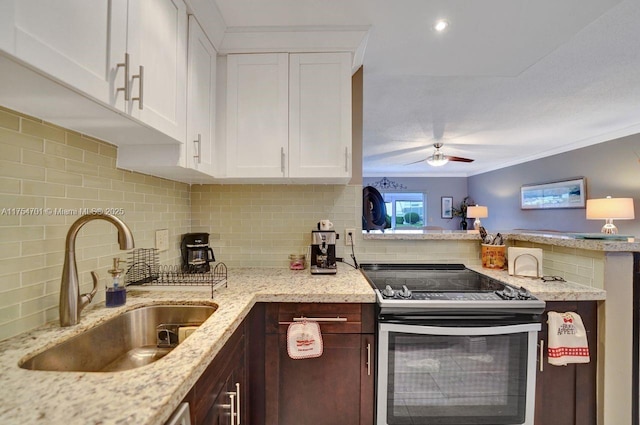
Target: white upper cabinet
{"type": "Point", "coordinates": [201, 106]}
{"type": "Point", "coordinates": [98, 50]}
{"type": "Point", "coordinates": [289, 117]}
{"type": "Point", "coordinates": [257, 115]}
{"type": "Point", "coordinates": [77, 42]}
{"type": "Point", "coordinates": [193, 161]}
{"type": "Point", "coordinates": [320, 115]}
{"type": "Point", "coordinates": [157, 47]}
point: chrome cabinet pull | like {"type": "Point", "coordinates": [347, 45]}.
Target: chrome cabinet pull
{"type": "Point", "coordinates": [237, 403]}
{"type": "Point", "coordinates": [282, 158]}
{"type": "Point", "coordinates": [229, 406]}
{"type": "Point", "coordinates": [126, 87]}
{"type": "Point", "coordinates": [541, 365]}
{"type": "Point", "coordinates": [346, 159]}
{"type": "Point", "coordinates": [369, 359]}
{"type": "Point", "coordinates": [320, 319]}
{"type": "Point", "coordinates": [140, 78]}
{"type": "Point", "coordinates": [232, 404]}
{"type": "Point", "coordinates": [315, 319]}
{"type": "Point", "coordinates": [198, 147]}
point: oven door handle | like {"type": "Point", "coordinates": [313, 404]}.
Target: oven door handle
{"type": "Point", "coordinates": [462, 331]}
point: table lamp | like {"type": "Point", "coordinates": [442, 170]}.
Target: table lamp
{"type": "Point", "coordinates": [477, 212]}
{"type": "Point", "coordinates": [609, 209]}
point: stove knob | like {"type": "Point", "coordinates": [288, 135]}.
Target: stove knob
{"type": "Point", "coordinates": [507, 294]}
{"type": "Point", "coordinates": [388, 292]}
{"type": "Point", "coordinates": [405, 293]}
{"type": "Point", "coordinates": [524, 294]}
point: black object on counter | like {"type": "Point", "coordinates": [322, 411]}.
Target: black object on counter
{"type": "Point", "coordinates": [374, 210]}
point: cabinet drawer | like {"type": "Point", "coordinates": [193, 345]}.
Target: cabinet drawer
{"type": "Point", "coordinates": [339, 317]}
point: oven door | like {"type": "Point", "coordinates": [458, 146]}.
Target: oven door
{"type": "Point", "coordinates": [460, 375]}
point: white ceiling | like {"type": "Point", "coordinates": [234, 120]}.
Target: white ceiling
{"type": "Point", "coordinates": [508, 82]}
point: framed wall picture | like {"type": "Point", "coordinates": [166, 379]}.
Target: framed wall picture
{"type": "Point", "coordinates": [446, 207]}
{"type": "Point", "coordinates": [559, 194]}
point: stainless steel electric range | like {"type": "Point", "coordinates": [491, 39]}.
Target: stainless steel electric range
{"type": "Point", "coordinates": [455, 346]}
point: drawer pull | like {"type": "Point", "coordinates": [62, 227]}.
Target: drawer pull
{"type": "Point", "coordinates": [541, 364]}
{"type": "Point", "coordinates": [315, 319]}
{"type": "Point", "coordinates": [237, 403]}
{"type": "Point", "coordinates": [232, 405]}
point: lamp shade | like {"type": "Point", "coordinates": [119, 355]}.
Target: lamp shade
{"type": "Point", "coordinates": [610, 208]}
{"type": "Point", "coordinates": [477, 212]}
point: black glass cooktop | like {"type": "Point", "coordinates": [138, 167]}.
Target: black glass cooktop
{"type": "Point", "coordinates": [429, 277]}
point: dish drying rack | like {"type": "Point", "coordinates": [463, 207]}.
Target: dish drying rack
{"type": "Point", "coordinates": [143, 268]}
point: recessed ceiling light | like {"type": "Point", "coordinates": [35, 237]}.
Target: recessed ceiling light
{"type": "Point", "coordinates": [441, 25]}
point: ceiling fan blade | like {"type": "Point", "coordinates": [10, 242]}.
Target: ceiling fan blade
{"type": "Point", "coordinates": [459, 159]}
{"type": "Point", "coordinates": [415, 162]}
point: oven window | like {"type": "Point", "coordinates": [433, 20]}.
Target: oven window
{"type": "Point", "coordinates": [436, 379]}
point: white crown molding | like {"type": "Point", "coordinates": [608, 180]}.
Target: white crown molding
{"type": "Point", "coordinates": [297, 40]}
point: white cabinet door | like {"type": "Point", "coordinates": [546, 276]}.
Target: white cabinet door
{"type": "Point", "coordinates": [77, 42]}
{"type": "Point", "coordinates": [257, 115]}
{"type": "Point", "coordinates": [201, 101]}
{"type": "Point", "coordinates": [157, 41]}
{"type": "Point", "coordinates": [320, 115]}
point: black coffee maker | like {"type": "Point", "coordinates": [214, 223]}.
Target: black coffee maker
{"type": "Point", "coordinates": [196, 253]}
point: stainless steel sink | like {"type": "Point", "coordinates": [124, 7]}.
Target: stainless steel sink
{"type": "Point", "coordinates": [133, 339]}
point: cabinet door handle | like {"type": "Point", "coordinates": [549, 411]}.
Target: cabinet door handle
{"type": "Point", "coordinates": [237, 403]}
{"type": "Point", "coordinates": [282, 158]}
{"type": "Point", "coordinates": [346, 159]}
{"type": "Point", "coordinates": [125, 89]}
{"type": "Point", "coordinates": [541, 365]}
{"type": "Point", "coordinates": [369, 359]}
{"type": "Point", "coordinates": [232, 405]}
{"type": "Point", "coordinates": [315, 319]}
{"type": "Point", "coordinates": [198, 147]}
{"type": "Point", "coordinates": [140, 78]}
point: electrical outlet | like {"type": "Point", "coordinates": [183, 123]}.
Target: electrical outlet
{"type": "Point", "coordinates": [162, 239]}
{"type": "Point", "coordinates": [350, 238]}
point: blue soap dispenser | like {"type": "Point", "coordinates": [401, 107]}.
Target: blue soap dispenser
{"type": "Point", "coordinates": [116, 294]}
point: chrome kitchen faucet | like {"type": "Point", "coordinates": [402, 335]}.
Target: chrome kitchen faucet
{"type": "Point", "coordinates": [71, 302]}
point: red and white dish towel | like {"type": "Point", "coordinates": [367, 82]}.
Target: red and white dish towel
{"type": "Point", "coordinates": [304, 340]}
{"type": "Point", "coordinates": [567, 339]}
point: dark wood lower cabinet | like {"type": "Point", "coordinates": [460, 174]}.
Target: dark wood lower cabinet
{"type": "Point", "coordinates": [566, 395]}
{"type": "Point", "coordinates": [335, 388]}
{"type": "Point", "coordinates": [220, 396]}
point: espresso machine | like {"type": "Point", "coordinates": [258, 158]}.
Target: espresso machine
{"type": "Point", "coordinates": [196, 253]}
{"type": "Point", "coordinates": [323, 252]}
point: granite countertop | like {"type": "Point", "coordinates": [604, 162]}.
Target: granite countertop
{"type": "Point", "coordinates": [556, 239]}
{"type": "Point", "coordinates": [149, 394]}
{"type": "Point", "coordinates": [546, 291]}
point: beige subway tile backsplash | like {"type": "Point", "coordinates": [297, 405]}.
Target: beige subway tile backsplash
{"type": "Point", "coordinates": [42, 130]}
{"type": "Point", "coordinates": [260, 225]}
{"type": "Point", "coordinates": [9, 121]}
{"type": "Point", "coordinates": [88, 145]}
{"type": "Point", "coordinates": [48, 177]}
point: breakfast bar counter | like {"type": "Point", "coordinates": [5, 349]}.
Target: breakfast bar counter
{"type": "Point", "coordinates": [567, 240]}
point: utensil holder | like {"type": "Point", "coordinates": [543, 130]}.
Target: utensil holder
{"type": "Point", "coordinates": [494, 256]}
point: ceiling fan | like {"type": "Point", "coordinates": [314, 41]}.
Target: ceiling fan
{"type": "Point", "coordinates": [438, 159]}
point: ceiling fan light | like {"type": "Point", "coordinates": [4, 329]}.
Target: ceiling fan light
{"type": "Point", "coordinates": [441, 25]}
{"type": "Point", "coordinates": [437, 160]}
